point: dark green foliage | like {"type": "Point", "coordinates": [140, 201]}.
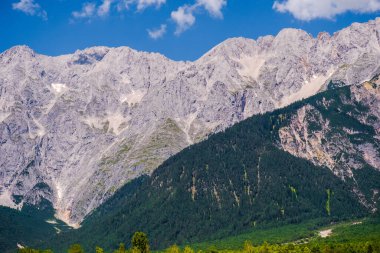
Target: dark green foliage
{"type": "Point", "coordinates": [275, 234]}
{"type": "Point", "coordinates": [28, 250]}
{"type": "Point", "coordinates": [75, 248]}
{"type": "Point", "coordinates": [173, 249]}
{"type": "Point", "coordinates": [26, 227]}
{"type": "Point", "coordinates": [356, 247]}
{"type": "Point", "coordinates": [121, 249]}
{"type": "Point", "coordinates": [98, 250]}
{"type": "Point", "coordinates": [361, 236]}
{"type": "Point", "coordinates": [353, 231]}
{"type": "Point", "coordinates": [140, 242]}
{"type": "Point", "coordinates": [313, 246]}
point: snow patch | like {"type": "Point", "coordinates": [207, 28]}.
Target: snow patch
{"type": "Point", "coordinates": [125, 79]}
{"type": "Point", "coordinates": [185, 125]}
{"type": "Point", "coordinates": [59, 191]}
{"type": "Point", "coordinates": [3, 116]}
{"type": "Point", "coordinates": [57, 230]}
{"type": "Point", "coordinates": [58, 87]}
{"type": "Point", "coordinates": [51, 221]}
{"type": "Point", "coordinates": [325, 233]}
{"type": "Point", "coordinates": [310, 88]}
{"type": "Point", "coordinates": [251, 66]}
{"type": "Point", "coordinates": [133, 97]}
{"type": "Point", "coordinates": [117, 123]}
{"type": "Point", "coordinates": [64, 215]}
{"type": "Point", "coordinates": [41, 129]}
{"type": "Point", "coordinates": [6, 200]}
{"type": "Point", "coordinates": [113, 123]}
{"type": "Point", "coordinates": [50, 105]}
{"type": "Point", "coordinates": [36, 129]}
{"type": "Point", "coordinates": [61, 214]}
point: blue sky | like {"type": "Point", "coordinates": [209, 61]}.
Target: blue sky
{"type": "Point", "coordinates": [179, 29]}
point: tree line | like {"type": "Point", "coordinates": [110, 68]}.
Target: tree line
{"type": "Point", "coordinates": [140, 244]}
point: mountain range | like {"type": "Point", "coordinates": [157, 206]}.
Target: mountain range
{"type": "Point", "coordinates": [76, 128]}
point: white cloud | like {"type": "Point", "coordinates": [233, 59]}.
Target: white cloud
{"type": "Point", "coordinates": [184, 15]}
{"type": "Point", "coordinates": [184, 18]}
{"type": "Point", "coordinates": [142, 4]}
{"type": "Point", "coordinates": [26, 6]}
{"type": "Point", "coordinates": [157, 33]}
{"type": "Point", "coordinates": [88, 10]}
{"type": "Point", "coordinates": [29, 7]}
{"type": "Point", "coordinates": [104, 8]}
{"type": "Point", "coordinates": [124, 4]}
{"type": "Point", "coordinates": [214, 7]}
{"type": "Point", "coordinates": [327, 9]}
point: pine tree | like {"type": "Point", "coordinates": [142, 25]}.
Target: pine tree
{"type": "Point", "coordinates": [75, 248]}
{"type": "Point", "coordinates": [173, 249]}
{"type": "Point", "coordinates": [248, 247]}
{"type": "Point", "coordinates": [121, 248]}
{"type": "Point", "coordinates": [140, 241]}
{"type": "Point", "coordinates": [99, 250]}
{"type": "Point", "coordinates": [188, 250]}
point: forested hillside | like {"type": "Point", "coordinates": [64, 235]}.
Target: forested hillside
{"type": "Point", "coordinates": [228, 184]}
{"type": "Point", "coordinates": [29, 226]}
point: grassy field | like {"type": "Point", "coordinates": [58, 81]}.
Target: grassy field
{"type": "Point", "coordinates": [257, 236]}
{"type": "Point", "coordinates": [356, 236]}
{"type": "Point", "coordinates": [360, 230]}
{"type": "Point", "coordinates": [367, 229]}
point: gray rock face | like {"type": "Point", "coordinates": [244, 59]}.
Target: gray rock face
{"type": "Point", "coordinates": [75, 128]}
{"type": "Point", "coordinates": [346, 142]}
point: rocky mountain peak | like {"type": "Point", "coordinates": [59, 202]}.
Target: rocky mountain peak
{"type": "Point", "coordinates": [292, 34]}
{"type": "Point", "coordinates": [230, 48]}
{"type": "Point", "coordinates": [18, 52]}
{"type": "Point", "coordinates": [86, 123]}
{"type": "Point", "coordinates": [90, 55]}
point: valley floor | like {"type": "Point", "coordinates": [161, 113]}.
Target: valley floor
{"type": "Point", "coordinates": [354, 236]}
{"type": "Point", "coordinates": [311, 232]}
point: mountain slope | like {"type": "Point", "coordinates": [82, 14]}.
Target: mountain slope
{"type": "Point", "coordinates": [341, 132]}
{"type": "Point", "coordinates": [242, 177]}
{"type": "Point", "coordinates": [85, 124]}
